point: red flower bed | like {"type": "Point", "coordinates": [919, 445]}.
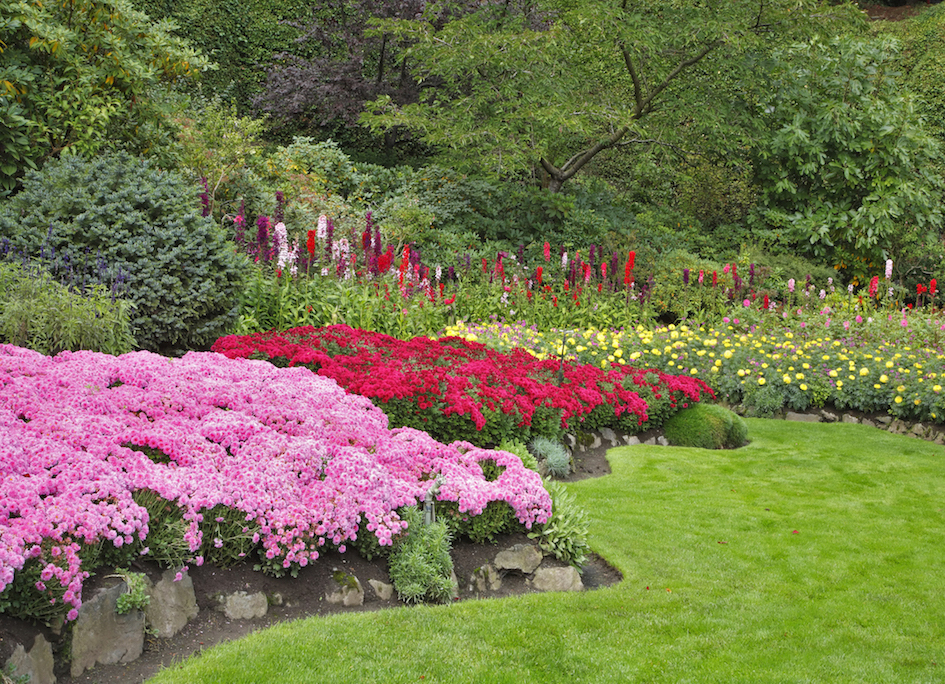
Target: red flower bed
{"type": "Point", "coordinates": [451, 387]}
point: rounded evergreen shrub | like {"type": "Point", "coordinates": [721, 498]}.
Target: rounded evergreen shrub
{"type": "Point", "coordinates": [122, 219]}
{"type": "Point", "coordinates": [706, 426]}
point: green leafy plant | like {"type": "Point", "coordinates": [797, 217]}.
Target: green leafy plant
{"type": "Point", "coordinates": [167, 530]}
{"type": "Point", "coordinates": [139, 224]}
{"type": "Point", "coordinates": [420, 564]}
{"type": "Point", "coordinates": [518, 448]}
{"type": "Point", "coordinates": [135, 596]}
{"type": "Point", "coordinates": [227, 536]}
{"type": "Point", "coordinates": [565, 534]}
{"type": "Point", "coordinates": [78, 77]}
{"type": "Point", "coordinates": [22, 599]}
{"type": "Point", "coordinates": [39, 313]}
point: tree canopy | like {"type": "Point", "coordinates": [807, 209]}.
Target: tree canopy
{"type": "Point", "coordinates": [543, 87]}
{"type": "Point", "coordinates": [846, 166]}
{"type": "Point", "coordinates": [77, 75]}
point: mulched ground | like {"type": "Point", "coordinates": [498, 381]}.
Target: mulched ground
{"type": "Point", "coordinates": [905, 10]}
{"type": "Point", "coordinates": [302, 597]}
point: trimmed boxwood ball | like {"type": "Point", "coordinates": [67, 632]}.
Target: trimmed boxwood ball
{"type": "Point", "coordinates": [706, 426]}
{"type": "Point", "coordinates": [117, 216]}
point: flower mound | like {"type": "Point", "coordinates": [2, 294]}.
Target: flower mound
{"type": "Point", "coordinates": [306, 462]}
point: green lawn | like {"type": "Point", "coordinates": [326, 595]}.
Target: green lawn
{"type": "Point", "coordinates": [815, 554]}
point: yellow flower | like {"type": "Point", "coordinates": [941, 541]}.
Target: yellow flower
{"type": "Point", "coordinates": [741, 373]}
{"type": "Point", "coordinates": [803, 387]}
{"type": "Point", "coordinates": [898, 400]}
{"type": "Point", "coordinates": [761, 381]}
{"type": "Point", "coordinates": [864, 371]}
{"type": "Point", "coordinates": [883, 378]}
{"type": "Point", "coordinates": [936, 388]}
{"type": "Point", "coordinates": [901, 388]}
{"type": "Point", "coordinates": [839, 384]}
{"type": "Point", "coordinates": [786, 378]}
{"type": "Point", "coordinates": [799, 376]}
{"type": "Point", "coordinates": [832, 374]}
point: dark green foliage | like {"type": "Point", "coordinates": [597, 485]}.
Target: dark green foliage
{"type": "Point", "coordinates": [922, 62]}
{"type": "Point", "coordinates": [716, 194]}
{"type": "Point", "coordinates": [847, 169]}
{"type": "Point", "coordinates": [227, 536]}
{"type": "Point", "coordinates": [420, 565]}
{"type": "Point", "coordinates": [241, 36]}
{"type": "Point", "coordinates": [21, 600]}
{"type": "Point", "coordinates": [79, 76]}
{"type": "Point", "coordinates": [39, 313]}
{"type": "Point", "coordinates": [706, 426]}
{"type": "Point", "coordinates": [19, 151]}
{"type": "Point", "coordinates": [139, 224]}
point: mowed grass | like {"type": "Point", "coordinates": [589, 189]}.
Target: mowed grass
{"type": "Point", "coordinates": [814, 554]}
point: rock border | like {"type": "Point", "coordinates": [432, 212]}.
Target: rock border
{"type": "Point", "coordinates": [101, 636]}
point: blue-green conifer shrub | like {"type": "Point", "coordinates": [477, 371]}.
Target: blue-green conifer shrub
{"type": "Point", "coordinates": [120, 218]}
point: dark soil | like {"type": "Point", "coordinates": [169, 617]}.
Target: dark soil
{"type": "Point", "coordinates": [302, 597]}
{"type": "Point", "coordinates": [903, 9]}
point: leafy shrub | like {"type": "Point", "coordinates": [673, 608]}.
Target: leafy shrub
{"type": "Point", "coordinates": [706, 426]}
{"type": "Point", "coordinates": [552, 456]}
{"type": "Point", "coordinates": [421, 567]}
{"type": "Point", "coordinates": [23, 599]}
{"type": "Point", "coordinates": [564, 535]}
{"type": "Point", "coordinates": [717, 195]}
{"type": "Point", "coordinates": [41, 314]}
{"type": "Point", "coordinates": [183, 277]}
{"type": "Point", "coordinates": [923, 71]}
{"type": "Point", "coordinates": [82, 77]}
{"type": "Point", "coordinates": [831, 174]}
{"type": "Point", "coordinates": [326, 165]}
{"type": "Point", "coordinates": [519, 449]}
{"type": "Point", "coordinates": [219, 146]}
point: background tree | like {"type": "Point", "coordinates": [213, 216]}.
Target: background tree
{"type": "Point", "coordinates": [339, 65]}
{"type": "Point", "coordinates": [241, 36]}
{"type": "Point", "coordinates": [847, 168]}
{"type": "Point", "coordinates": [78, 75]}
{"type": "Point", "coordinates": [520, 88]}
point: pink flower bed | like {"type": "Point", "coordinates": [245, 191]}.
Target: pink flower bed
{"type": "Point", "coordinates": [306, 462]}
